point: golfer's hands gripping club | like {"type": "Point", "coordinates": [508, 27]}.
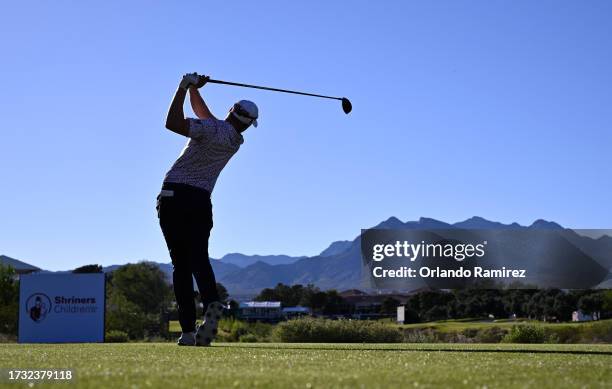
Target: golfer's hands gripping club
{"type": "Point", "coordinates": [193, 80]}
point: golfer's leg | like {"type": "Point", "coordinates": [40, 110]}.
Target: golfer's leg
{"type": "Point", "coordinates": [173, 228]}
{"type": "Point", "coordinates": [202, 270]}
{"type": "Point", "coordinates": [183, 291]}
{"type": "Point", "coordinates": [205, 277]}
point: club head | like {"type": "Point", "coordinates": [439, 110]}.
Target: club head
{"type": "Point", "coordinates": [346, 105]}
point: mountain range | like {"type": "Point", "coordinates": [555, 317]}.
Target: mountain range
{"type": "Point", "coordinates": [18, 265]}
{"type": "Point", "coordinates": [339, 266]}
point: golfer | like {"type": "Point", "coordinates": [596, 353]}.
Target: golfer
{"type": "Point", "coordinates": [184, 207]}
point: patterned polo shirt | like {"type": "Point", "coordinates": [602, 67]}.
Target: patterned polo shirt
{"type": "Point", "coordinates": [211, 145]}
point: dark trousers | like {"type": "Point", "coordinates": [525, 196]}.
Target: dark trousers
{"type": "Point", "coordinates": [185, 217]}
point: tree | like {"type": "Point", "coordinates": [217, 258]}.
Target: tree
{"type": "Point", "coordinates": [318, 300]}
{"type": "Point", "coordinates": [233, 308]}
{"type": "Point", "coordinates": [514, 301]}
{"type": "Point", "coordinates": [546, 304]}
{"type": "Point", "coordinates": [88, 269]}
{"type": "Point", "coordinates": [289, 296]}
{"type": "Point", "coordinates": [591, 303]}
{"type": "Point", "coordinates": [9, 300]}
{"type": "Point", "coordinates": [334, 303]}
{"type": "Point", "coordinates": [414, 305]}
{"type": "Point", "coordinates": [492, 303]}
{"type": "Point", "coordinates": [607, 304]}
{"type": "Point", "coordinates": [222, 292]}
{"type": "Point", "coordinates": [429, 299]}
{"type": "Point", "coordinates": [564, 304]}
{"type": "Point", "coordinates": [389, 306]}
{"type": "Point", "coordinates": [143, 284]}
{"type": "Point", "coordinates": [137, 298]}
{"type": "Point", "coordinates": [307, 295]}
{"type": "Point", "coordinates": [267, 294]}
{"type": "Point", "coordinates": [410, 316]}
{"type": "Point", "coordinates": [435, 313]}
{"type": "Point", "coordinates": [295, 295]}
{"type": "Point", "coordinates": [124, 315]}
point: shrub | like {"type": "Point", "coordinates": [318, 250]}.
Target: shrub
{"type": "Point", "coordinates": [9, 314]}
{"type": "Point", "coordinates": [470, 332]}
{"type": "Point", "coordinates": [490, 335]}
{"type": "Point", "coordinates": [248, 338]}
{"type": "Point", "coordinates": [597, 332]}
{"type": "Point", "coordinates": [457, 337]}
{"type": "Point", "coordinates": [116, 336]}
{"type": "Point", "coordinates": [420, 336]}
{"type": "Point", "coordinates": [124, 316]}
{"type": "Point", "coordinates": [9, 300]}
{"type": "Point", "coordinates": [261, 330]}
{"type": "Point", "coordinates": [564, 333]}
{"type": "Point", "coordinates": [237, 330]}
{"type": "Point", "coordinates": [6, 338]}
{"type": "Point", "coordinates": [142, 284]}
{"type": "Point", "coordinates": [525, 333]}
{"type": "Point", "coordinates": [341, 331]}
{"type": "Point", "coordinates": [552, 338]}
{"type": "Point", "coordinates": [232, 330]}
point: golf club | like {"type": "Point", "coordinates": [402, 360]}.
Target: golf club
{"type": "Point", "coordinates": [346, 104]}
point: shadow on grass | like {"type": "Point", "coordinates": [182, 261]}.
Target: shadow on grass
{"type": "Point", "coordinates": [429, 349]}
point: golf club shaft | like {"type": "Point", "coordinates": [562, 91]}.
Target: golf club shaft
{"type": "Point", "coordinates": [271, 89]}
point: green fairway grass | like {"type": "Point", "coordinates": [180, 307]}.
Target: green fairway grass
{"type": "Point", "coordinates": [164, 365]}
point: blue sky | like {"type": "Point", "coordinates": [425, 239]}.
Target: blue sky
{"type": "Point", "coordinates": [493, 108]}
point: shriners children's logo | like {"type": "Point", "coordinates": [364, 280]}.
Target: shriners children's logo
{"type": "Point", "coordinates": [38, 305]}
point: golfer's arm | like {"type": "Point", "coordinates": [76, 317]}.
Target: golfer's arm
{"type": "Point", "coordinates": [198, 105]}
{"type": "Point", "coordinates": [175, 121]}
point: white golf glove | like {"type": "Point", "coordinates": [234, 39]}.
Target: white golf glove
{"type": "Point", "coordinates": [189, 79]}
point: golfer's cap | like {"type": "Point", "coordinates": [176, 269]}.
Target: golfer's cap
{"type": "Point", "coordinates": [247, 110]}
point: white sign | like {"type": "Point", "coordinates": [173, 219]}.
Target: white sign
{"type": "Point", "coordinates": [401, 314]}
{"type": "Point", "coordinates": [61, 308]}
